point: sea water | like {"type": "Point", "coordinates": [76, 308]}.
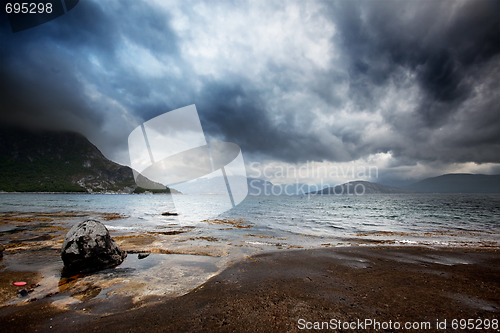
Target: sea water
{"type": "Point", "coordinates": [447, 219]}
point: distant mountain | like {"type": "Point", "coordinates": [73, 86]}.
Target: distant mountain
{"type": "Point", "coordinates": [46, 161]}
{"type": "Point", "coordinates": [258, 186]}
{"type": "Point", "coordinates": [458, 183]}
{"type": "Point", "coordinates": [217, 185]}
{"type": "Point", "coordinates": [451, 183]}
{"type": "Point", "coordinates": [295, 188]}
{"type": "Point", "coordinates": [360, 187]}
{"type": "Point", "coordinates": [263, 187]}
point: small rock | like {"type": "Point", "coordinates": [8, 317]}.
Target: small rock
{"type": "Point", "coordinates": [2, 248]}
{"type": "Point", "coordinates": [170, 214]}
{"type": "Point", "coordinates": [142, 255]}
{"type": "Point", "coordinates": [22, 293]}
{"type": "Point", "coordinates": [89, 247]}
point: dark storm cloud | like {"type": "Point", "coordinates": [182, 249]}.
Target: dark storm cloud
{"type": "Point", "coordinates": [47, 71]}
{"type": "Point", "coordinates": [447, 47]}
{"type": "Point", "coordinates": [451, 48]}
{"type": "Point", "coordinates": [416, 79]}
{"type": "Point", "coordinates": [38, 88]}
{"type": "Point", "coordinates": [230, 111]}
{"type": "Point", "coordinates": [435, 39]}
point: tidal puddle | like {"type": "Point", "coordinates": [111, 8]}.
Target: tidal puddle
{"type": "Point", "coordinates": [167, 275]}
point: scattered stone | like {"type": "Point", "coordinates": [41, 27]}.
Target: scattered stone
{"type": "Point", "coordinates": [170, 214]}
{"type": "Point", "coordinates": [89, 247]}
{"type": "Point", "coordinates": [142, 255]}
{"type": "Point", "coordinates": [173, 232]}
{"type": "Point", "coordinates": [22, 293]}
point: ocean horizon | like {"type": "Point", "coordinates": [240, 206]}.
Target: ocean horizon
{"type": "Point", "coordinates": [286, 221]}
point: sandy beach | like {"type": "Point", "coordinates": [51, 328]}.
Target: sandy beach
{"type": "Point", "coordinates": [300, 289]}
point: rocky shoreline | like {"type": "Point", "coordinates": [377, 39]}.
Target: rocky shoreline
{"type": "Point", "coordinates": [171, 268]}
{"type": "Point", "coordinates": [280, 291]}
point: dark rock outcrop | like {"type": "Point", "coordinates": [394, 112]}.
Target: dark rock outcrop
{"type": "Point", "coordinates": [89, 247]}
{"type": "Point", "coordinates": [169, 214]}
{"type": "Point", "coordinates": [2, 248]}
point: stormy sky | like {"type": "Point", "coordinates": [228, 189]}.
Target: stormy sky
{"type": "Point", "coordinates": [410, 87]}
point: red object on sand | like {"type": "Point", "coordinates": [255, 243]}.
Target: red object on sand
{"type": "Point", "coordinates": [19, 283]}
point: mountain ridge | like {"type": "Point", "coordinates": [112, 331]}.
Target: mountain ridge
{"type": "Point", "coordinates": [458, 183]}
{"type": "Point", "coordinates": [360, 187]}
{"type": "Point", "coordinates": [447, 183]}
{"type": "Point", "coordinates": [60, 161]}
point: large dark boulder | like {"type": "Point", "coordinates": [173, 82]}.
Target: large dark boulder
{"type": "Point", "coordinates": [89, 247]}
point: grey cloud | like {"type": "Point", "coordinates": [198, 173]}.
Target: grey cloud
{"type": "Point", "coordinates": [448, 47]}
{"type": "Point", "coordinates": [445, 45]}
{"type": "Point", "coordinates": [235, 112]}
{"type": "Point", "coordinates": [47, 71]}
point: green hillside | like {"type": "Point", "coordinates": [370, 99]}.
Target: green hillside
{"type": "Point", "coordinates": [45, 161]}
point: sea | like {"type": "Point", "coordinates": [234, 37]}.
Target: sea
{"type": "Point", "coordinates": [292, 221]}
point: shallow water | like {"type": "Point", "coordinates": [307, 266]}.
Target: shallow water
{"type": "Point", "coordinates": [160, 275]}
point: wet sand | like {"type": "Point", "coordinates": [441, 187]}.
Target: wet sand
{"type": "Point", "coordinates": [272, 292]}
